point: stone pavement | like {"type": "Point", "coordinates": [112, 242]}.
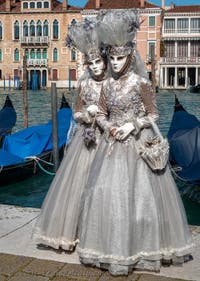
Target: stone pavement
{"type": "Point", "coordinates": [20, 268]}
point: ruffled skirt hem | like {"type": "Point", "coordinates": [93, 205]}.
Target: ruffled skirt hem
{"type": "Point", "coordinates": [152, 261]}
{"type": "Point", "coordinates": [57, 243]}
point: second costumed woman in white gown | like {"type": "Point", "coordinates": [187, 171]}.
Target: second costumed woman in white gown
{"type": "Point", "coordinates": [133, 217]}
{"type": "Point", "coordinates": [58, 221]}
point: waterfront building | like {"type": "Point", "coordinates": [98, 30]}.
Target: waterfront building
{"type": "Point", "coordinates": [37, 29]}
{"type": "Point", "coordinates": [149, 33]}
{"type": "Point", "coordinates": [180, 47]}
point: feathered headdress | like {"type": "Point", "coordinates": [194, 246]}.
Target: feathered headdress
{"type": "Point", "coordinates": [84, 37]}
{"type": "Point", "coordinates": [118, 29]}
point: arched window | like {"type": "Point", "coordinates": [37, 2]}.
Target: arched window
{"type": "Point", "coordinates": [46, 4]}
{"type": "Point", "coordinates": [73, 22]}
{"type": "Point", "coordinates": [16, 54]}
{"type": "Point", "coordinates": [55, 29]}
{"type": "Point", "coordinates": [16, 30]}
{"type": "Point", "coordinates": [39, 5]}
{"type": "Point", "coordinates": [25, 5]}
{"type": "Point", "coordinates": [38, 54]}
{"type": "Point", "coordinates": [32, 28]}
{"type": "Point", "coordinates": [27, 53]}
{"type": "Point", "coordinates": [32, 54]}
{"type": "Point", "coordinates": [73, 54]}
{"type": "Point", "coordinates": [39, 28]}
{"type": "Point", "coordinates": [0, 54]}
{"type": "Point", "coordinates": [46, 28]}
{"type": "Point", "coordinates": [25, 28]}
{"type": "Point", "coordinates": [55, 54]}
{"type": "Point", "coordinates": [1, 31]}
{"type": "Point", "coordinates": [44, 55]}
{"type": "Point", "coordinates": [32, 5]}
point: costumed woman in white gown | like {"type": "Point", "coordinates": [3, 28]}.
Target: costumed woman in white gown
{"type": "Point", "coordinates": [133, 217]}
{"type": "Point", "coordinates": [57, 223]}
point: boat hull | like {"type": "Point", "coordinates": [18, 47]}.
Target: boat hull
{"type": "Point", "coordinates": [15, 173]}
{"type": "Point", "coordinates": [195, 89]}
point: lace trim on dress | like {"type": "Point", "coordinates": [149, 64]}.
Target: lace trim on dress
{"type": "Point", "coordinates": [155, 255]}
{"type": "Point", "coordinates": [57, 243]}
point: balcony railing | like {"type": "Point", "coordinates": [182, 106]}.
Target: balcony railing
{"type": "Point", "coordinates": [185, 60]}
{"type": "Point", "coordinates": [37, 62]}
{"type": "Point", "coordinates": [182, 31]}
{"type": "Point", "coordinates": [35, 40]}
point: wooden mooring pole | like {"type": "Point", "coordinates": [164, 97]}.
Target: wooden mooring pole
{"type": "Point", "coordinates": [153, 68]}
{"type": "Point", "coordinates": [54, 126]}
{"type": "Point", "coordinates": [25, 97]}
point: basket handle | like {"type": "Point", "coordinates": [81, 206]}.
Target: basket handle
{"type": "Point", "coordinates": [155, 127]}
{"type": "Point", "coordinates": [94, 121]}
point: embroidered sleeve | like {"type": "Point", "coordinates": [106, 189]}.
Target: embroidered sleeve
{"type": "Point", "coordinates": [102, 115]}
{"type": "Point", "coordinates": [79, 102]}
{"type": "Point", "coordinates": [149, 99]}
{"type": "Point", "coordinates": [80, 113]}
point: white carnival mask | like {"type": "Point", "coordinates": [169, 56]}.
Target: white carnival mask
{"type": "Point", "coordinates": [96, 66]}
{"type": "Point", "coordinates": [117, 62]}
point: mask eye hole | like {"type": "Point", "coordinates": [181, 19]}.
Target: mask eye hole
{"type": "Point", "coordinates": [98, 61]}
{"type": "Point", "coordinates": [120, 58]}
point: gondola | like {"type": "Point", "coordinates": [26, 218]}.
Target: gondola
{"type": "Point", "coordinates": [8, 117]}
{"type": "Point", "coordinates": [30, 150]}
{"type": "Point", "coordinates": [184, 141]}
{"type": "Point", "coordinates": [195, 89]}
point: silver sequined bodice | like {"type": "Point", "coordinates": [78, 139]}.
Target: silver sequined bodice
{"type": "Point", "coordinates": [123, 99]}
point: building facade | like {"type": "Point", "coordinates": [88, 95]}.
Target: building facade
{"type": "Point", "coordinates": [180, 55]}
{"type": "Point", "coordinates": [37, 30]}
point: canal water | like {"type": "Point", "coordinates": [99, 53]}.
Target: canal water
{"type": "Point", "coordinates": [31, 192]}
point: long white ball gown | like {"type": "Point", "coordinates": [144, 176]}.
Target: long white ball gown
{"type": "Point", "coordinates": [132, 217]}
{"type": "Point", "coordinates": [58, 220]}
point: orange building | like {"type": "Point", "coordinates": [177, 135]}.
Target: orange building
{"type": "Point", "coordinates": [37, 29]}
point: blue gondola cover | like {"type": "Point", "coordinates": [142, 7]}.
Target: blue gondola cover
{"type": "Point", "coordinates": [35, 139]}
{"type": "Point", "coordinates": [184, 140]}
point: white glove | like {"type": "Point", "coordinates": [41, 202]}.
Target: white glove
{"type": "Point", "coordinates": [83, 117]}
{"type": "Point", "coordinates": [123, 131]}
{"type": "Point", "coordinates": [140, 123]}
{"type": "Point", "coordinates": [143, 122]}
{"type": "Point", "coordinates": [92, 109]}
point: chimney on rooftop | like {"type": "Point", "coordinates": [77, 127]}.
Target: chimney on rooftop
{"type": "Point", "coordinates": [142, 3]}
{"type": "Point", "coordinates": [97, 4]}
{"type": "Point", "coordinates": [8, 6]}
{"type": "Point", "coordinates": [172, 6]}
{"type": "Point", "coordinates": [163, 4]}
{"type": "Point", "coordinates": [64, 5]}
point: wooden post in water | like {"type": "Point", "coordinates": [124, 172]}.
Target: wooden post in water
{"type": "Point", "coordinates": [69, 78]}
{"type": "Point", "coordinates": [54, 126]}
{"type": "Point", "coordinates": [25, 97]}
{"type": "Point", "coordinates": [153, 68]}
